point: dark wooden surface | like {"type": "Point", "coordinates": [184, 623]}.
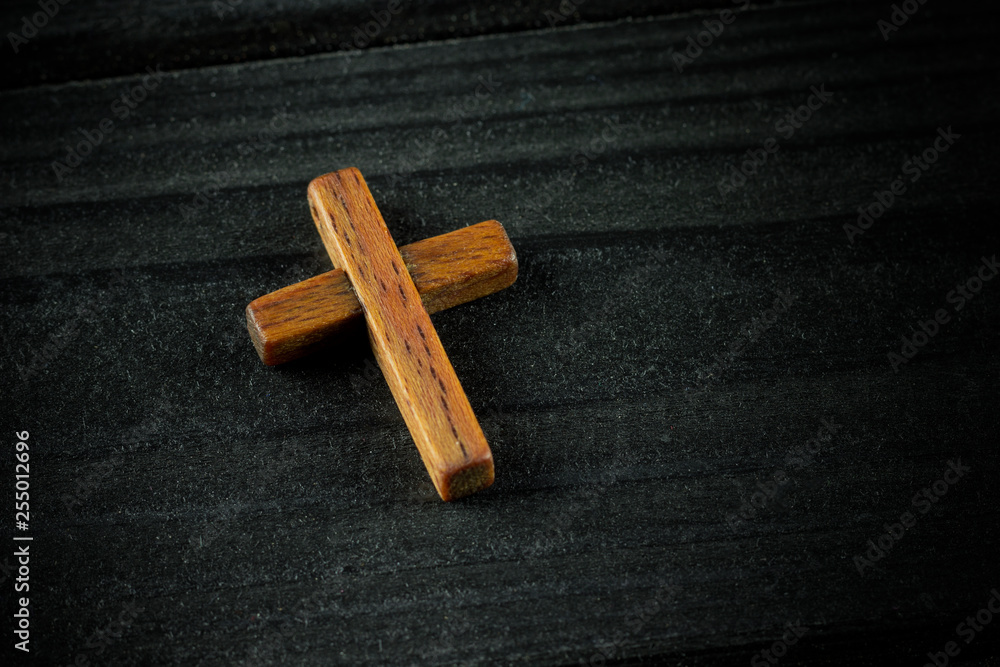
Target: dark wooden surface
{"type": "Point", "coordinates": [282, 516]}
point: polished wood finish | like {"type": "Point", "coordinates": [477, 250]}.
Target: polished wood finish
{"type": "Point", "coordinates": [448, 270]}
{"type": "Point", "coordinates": [404, 341]}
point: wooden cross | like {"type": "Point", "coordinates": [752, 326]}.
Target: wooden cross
{"type": "Point", "coordinates": [393, 290]}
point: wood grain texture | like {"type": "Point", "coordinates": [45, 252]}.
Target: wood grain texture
{"type": "Point", "coordinates": [280, 516]}
{"type": "Point", "coordinates": [408, 350]}
{"type": "Point", "coordinates": [448, 270]}
{"type": "Point", "coordinates": [175, 34]}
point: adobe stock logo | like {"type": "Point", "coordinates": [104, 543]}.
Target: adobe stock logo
{"type": "Point", "coordinates": [122, 108]}
{"type": "Point", "coordinates": [779, 649]}
{"type": "Point", "coordinates": [566, 9]}
{"type": "Point", "coordinates": [363, 34]}
{"type": "Point", "coordinates": [881, 546]}
{"type": "Point", "coordinates": [915, 168]}
{"type": "Point", "coordinates": [958, 297]}
{"type": "Point", "coordinates": [704, 39]}
{"type": "Point", "coordinates": [967, 630]}
{"type": "Point", "coordinates": [786, 126]}
{"type": "Point", "coordinates": [900, 15]}
{"type": "Point", "coordinates": [31, 25]}
{"type": "Point", "coordinates": [769, 492]}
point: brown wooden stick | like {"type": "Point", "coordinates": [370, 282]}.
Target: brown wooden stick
{"type": "Point", "coordinates": [404, 341]}
{"type": "Point", "coordinates": [448, 270]}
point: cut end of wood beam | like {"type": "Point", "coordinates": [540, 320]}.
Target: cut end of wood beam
{"type": "Point", "coordinates": [467, 480]}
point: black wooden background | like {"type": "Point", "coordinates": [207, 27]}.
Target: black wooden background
{"type": "Point", "coordinates": [190, 506]}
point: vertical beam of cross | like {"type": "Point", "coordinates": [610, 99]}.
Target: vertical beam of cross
{"type": "Point", "coordinates": [404, 341]}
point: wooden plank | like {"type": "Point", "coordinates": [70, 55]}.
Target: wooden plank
{"type": "Point", "coordinates": [236, 503]}
{"type": "Point", "coordinates": [408, 350]}
{"type": "Point", "coordinates": [174, 35]}
{"type": "Point", "coordinates": [448, 270]}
